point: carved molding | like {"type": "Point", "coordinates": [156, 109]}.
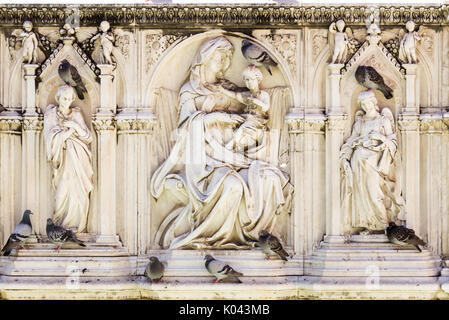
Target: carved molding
{"type": "Point", "coordinates": [135, 125]}
{"type": "Point", "coordinates": [158, 16]}
{"type": "Point", "coordinates": [431, 124]}
{"type": "Point", "coordinates": [11, 125]}
{"type": "Point", "coordinates": [33, 123]}
{"type": "Point", "coordinates": [103, 123]}
{"type": "Point", "coordinates": [336, 122]}
{"type": "Point", "coordinates": [408, 123]}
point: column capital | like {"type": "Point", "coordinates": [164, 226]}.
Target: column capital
{"type": "Point", "coordinates": [103, 121]}
{"type": "Point", "coordinates": [33, 122]}
{"type": "Point", "coordinates": [11, 124]}
{"type": "Point", "coordinates": [408, 122]}
{"type": "Point", "coordinates": [335, 68]}
{"type": "Point", "coordinates": [336, 121]}
{"type": "Point", "coordinates": [30, 69]}
{"type": "Point", "coordinates": [106, 69]}
{"type": "Point", "coordinates": [410, 68]}
{"type": "Point", "coordinates": [431, 123]}
{"type": "Point", "coordinates": [135, 121]}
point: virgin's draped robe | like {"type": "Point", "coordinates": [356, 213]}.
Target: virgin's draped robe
{"type": "Point", "coordinates": [71, 161]}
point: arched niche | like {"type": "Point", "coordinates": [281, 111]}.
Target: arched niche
{"type": "Point", "coordinates": [171, 72]}
{"type": "Point", "coordinates": [350, 88]}
{"type": "Point", "coordinates": [318, 96]}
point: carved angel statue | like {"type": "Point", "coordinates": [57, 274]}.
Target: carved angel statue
{"type": "Point", "coordinates": [29, 43]}
{"type": "Point", "coordinates": [407, 46]}
{"type": "Point", "coordinates": [370, 193]}
{"type": "Point", "coordinates": [106, 42]}
{"type": "Point", "coordinates": [341, 38]}
{"type": "Point", "coordinates": [372, 25]}
{"type": "Point", "coordinates": [67, 140]}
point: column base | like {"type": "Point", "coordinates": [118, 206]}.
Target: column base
{"type": "Point", "coordinates": [334, 239]}
{"type": "Point", "coordinates": [108, 240]}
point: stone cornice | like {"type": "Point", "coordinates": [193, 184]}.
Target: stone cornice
{"type": "Point", "coordinates": [166, 16]}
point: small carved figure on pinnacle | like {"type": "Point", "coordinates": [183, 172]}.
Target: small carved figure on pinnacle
{"type": "Point", "coordinates": [407, 46]}
{"type": "Point", "coordinates": [106, 42]}
{"type": "Point", "coordinates": [256, 55]}
{"type": "Point", "coordinates": [29, 43]}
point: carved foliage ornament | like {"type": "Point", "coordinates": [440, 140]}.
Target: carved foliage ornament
{"type": "Point", "coordinates": [285, 44]}
{"type": "Point", "coordinates": [155, 45]}
{"type": "Point", "coordinates": [230, 15]}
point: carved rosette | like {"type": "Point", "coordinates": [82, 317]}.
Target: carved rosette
{"type": "Point", "coordinates": [10, 125]}
{"type": "Point", "coordinates": [33, 123]}
{"type": "Point", "coordinates": [155, 45]}
{"type": "Point", "coordinates": [285, 44]}
{"type": "Point", "coordinates": [103, 123]}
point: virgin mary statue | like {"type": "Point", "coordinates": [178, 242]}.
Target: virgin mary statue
{"type": "Point", "coordinates": [225, 197]}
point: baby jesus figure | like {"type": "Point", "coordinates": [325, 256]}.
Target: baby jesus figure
{"type": "Point", "coordinates": [257, 104]}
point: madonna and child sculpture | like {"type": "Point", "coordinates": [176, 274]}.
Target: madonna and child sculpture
{"type": "Point", "coordinates": [227, 196]}
{"type": "Point", "coordinates": [67, 140]}
{"type": "Point", "coordinates": [369, 186]}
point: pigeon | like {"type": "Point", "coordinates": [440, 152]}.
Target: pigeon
{"type": "Point", "coordinates": [271, 246]}
{"type": "Point", "coordinates": [403, 236]}
{"type": "Point", "coordinates": [154, 270]}
{"type": "Point", "coordinates": [19, 236]}
{"type": "Point", "coordinates": [368, 77]}
{"type": "Point", "coordinates": [257, 56]}
{"type": "Point", "coordinates": [221, 270]}
{"type": "Point", "coordinates": [59, 235]}
{"type": "Point", "coordinates": [70, 76]}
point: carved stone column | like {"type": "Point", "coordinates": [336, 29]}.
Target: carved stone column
{"type": "Point", "coordinates": [134, 134]}
{"type": "Point", "coordinates": [336, 122]}
{"type": "Point", "coordinates": [409, 129]}
{"type": "Point", "coordinates": [314, 180]}
{"type": "Point", "coordinates": [104, 124]}
{"type": "Point", "coordinates": [411, 90]}
{"type": "Point", "coordinates": [431, 179]}
{"type": "Point", "coordinates": [10, 170]}
{"type": "Point", "coordinates": [32, 128]}
{"type": "Point", "coordinates": [445, 187]}
{"type": "Point", "coordinates": [295, 121]}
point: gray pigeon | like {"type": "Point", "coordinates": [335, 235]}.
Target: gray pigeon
{"type": "Point", "coordinates": [257, 56]}
{"type": "Point", "coordinates": [70, 76]}
{"type": "Point", "coordinates": [403, 236]}
{"type": "Point", "coordinates": [59, 235]}
{"type": "Point", "coordinates": [271, 245]}
{"type": "Point", "coordinates": [368, 77]}
{"type": "Point", "coordinates": [154, 270]}
{"type": "Point", "coordinates": [19, 236]}
{"type": "Point", "coordinates": [221, 270]}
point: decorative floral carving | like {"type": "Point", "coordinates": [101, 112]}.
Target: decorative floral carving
{"type": "Point", "coordinates": [123, 42]}
{"type": "Point", "coordinates": [135, 125]}
{"type": "Point", "coordinates": [431, 124]}
{"type": "Point", "coordinates": [285, 44]}
{"type": "Point", "coordinates": [319, 42]}
{"type": "Point", "coordinates": [155, 45]}
{"type": "Point", "coordinates": [10, 125]}
{"type": "Point", "coordinates": [103, 123]}
{"type": "Point", "coordinates": [408, 123]}
{"type": "Point", "coordinates": [33, 123]}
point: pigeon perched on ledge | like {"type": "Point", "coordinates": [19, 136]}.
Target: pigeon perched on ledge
{"type": "Point", "coordinates": [70, 76]}
{"type": "Point", "coordinates": [19, 236]}
{"type": "Point", "coordinates": [154, 269]}
{"type": "Point", "coordinates": [221, 270]}
{"type": "Point", "coordinates": [256, 55]}
{"type": "Point", "coordinates": [368, 77]}
{"type": "Point", "coordinates": [59, 235]}
{"type": "Point", "coordinates": [403, 236]}
{"type": "Point", "coordinates": [271, 245]}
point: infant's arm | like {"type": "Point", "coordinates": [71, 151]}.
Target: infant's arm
{"type": "Point", "coordinates": [262, 101]}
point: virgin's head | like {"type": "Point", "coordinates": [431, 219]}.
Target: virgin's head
{"type": "Point", "coordinates": [213, 58]}
{"type": "Point", "coordinates": [65, 96]}
{"type": "Point", "coordinates": [367, 101]}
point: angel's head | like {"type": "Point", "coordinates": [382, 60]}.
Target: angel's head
{"type": "Point", "coordinates": [367, 101]}
{"type": "Point", "coordinates": [410, 26]}
{"type": "Point", "coordinates": [27, 26]}
{"type": "Point", "coordinates": [340, 25]}
{"type": "Point", "coordinates": [104, 26]}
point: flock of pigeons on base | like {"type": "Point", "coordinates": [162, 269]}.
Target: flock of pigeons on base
{"type": "Point", "coordinates": [270, 245]}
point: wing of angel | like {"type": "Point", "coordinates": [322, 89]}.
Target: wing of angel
{"type": "Point", "coordinates": [386, 112]}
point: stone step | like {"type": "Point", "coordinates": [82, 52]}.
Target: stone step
{"type": "Point", "coordinates": [356, 271]}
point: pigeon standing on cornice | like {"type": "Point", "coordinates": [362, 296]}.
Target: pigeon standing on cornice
{"type": "Point", "coordinates": [271, 245]}
{"type": "Point", "coordinates": [20, 234]}
{"type": "Point", "coordinates": [221, 270]}
{"type": "Point", "coordinates": [368, 77]}
{"type": "Point", "coordinates": [403, 236]}
{"type": "Point", "coordinates": [154, 269]}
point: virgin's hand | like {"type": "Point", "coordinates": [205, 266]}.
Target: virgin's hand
{"type": "Point", "coordinates": [377, 136]}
